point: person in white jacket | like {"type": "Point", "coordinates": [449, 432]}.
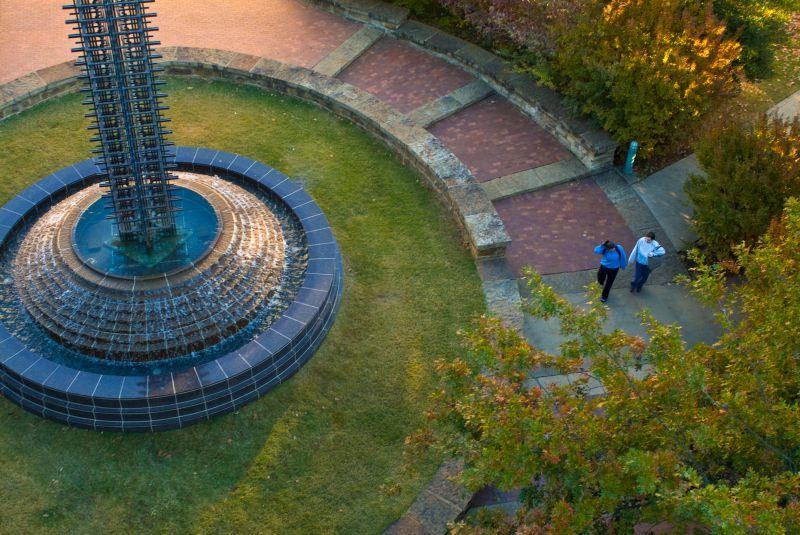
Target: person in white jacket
{"type": "Point", "coordinates": [646, 248]}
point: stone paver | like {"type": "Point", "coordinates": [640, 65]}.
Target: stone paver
{"type": "Point", "coordinates": [788, 108]}
{"type": "Point", "coordinates": [538, 178]}
{"type": "Point", "coordinates": [495, 139]}
{"type": "Point", "coordinates": [34, 35]}
{"type": "Point", "coordinates": [348, 52]}
{"type": "Point", "coordinates": [663, 193]}
{"type": "Point", "coordinates": [403, 76]}
{"type": "Point", "coordinates": [449, 104]}
{"type": "Point", "coordinates": [669, 303]}
{"type": "Point", "coordinates": [555, 230]}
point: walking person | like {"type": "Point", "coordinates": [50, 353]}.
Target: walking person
{"type": "Point", "coordinates": [612, 260]}
{"type": "Point", "coordinates": [643, 253]}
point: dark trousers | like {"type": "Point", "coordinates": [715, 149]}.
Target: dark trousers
{"type": "Point", "coordinates": [605, 278]}
{"type": "Point", "coordinates": [640, 276]}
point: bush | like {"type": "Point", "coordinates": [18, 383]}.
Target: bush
{"type": "Point", "coordinates": [645, 69]}
{"type": "Point", "coordinates": [760, 26]}
{"type": "Point", "coordinates": [751, 169]}
{"type": "Point", "coordinates": [529, 24]}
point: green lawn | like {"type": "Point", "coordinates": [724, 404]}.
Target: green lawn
{"type": "Point", "coordinates": [322, 453]}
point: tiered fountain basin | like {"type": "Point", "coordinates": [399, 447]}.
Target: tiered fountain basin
{"type": "Point", "coordinates": [93, 339]}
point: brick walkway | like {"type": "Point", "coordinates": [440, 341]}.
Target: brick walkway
{"type": "Point", "coordinates": [494, 139]}
{"type": "Point", "coordinates": [403, 76]}
{"type": "Point", "coordinates": [555, 230]}
{"type": "Point", "coordinates": [552, 229]}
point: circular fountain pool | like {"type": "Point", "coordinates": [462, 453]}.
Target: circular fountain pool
{"type": "Point", "coordinates": [98, 337]}
{"type": "Point", "coordinates": [96, 243]}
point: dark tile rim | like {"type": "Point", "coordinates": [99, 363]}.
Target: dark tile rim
{"type": "Point", "coordinates": [295, 331]}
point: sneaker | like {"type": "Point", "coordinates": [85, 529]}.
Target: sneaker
{"type": "Point", "coordinates": [631, 289]}
{"type": "Point", "coordinates": [603, 299]}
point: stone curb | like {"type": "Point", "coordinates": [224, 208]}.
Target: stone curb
{"type": "Point", "coordinates": [387, 16]}
{"type": "Point", "coordinates": [590, 144]}
{"type": "Point", "coordinates": [440, 503]}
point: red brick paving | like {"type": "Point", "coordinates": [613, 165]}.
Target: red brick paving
{"type": "Point", "coordinates": [494, 139]}
{"type": "Point", "coordinates": [33, 34]}
{"type": "Point", "coordinates": [555, 230]}
{"type": "Point", "coordinates": [402, 76]}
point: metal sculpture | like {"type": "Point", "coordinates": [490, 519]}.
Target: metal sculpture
{"type": "Point", "coordinates": [116, 55]}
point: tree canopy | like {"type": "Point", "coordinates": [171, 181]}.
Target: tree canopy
{"type": "Point", "coordinates": [708, 435]}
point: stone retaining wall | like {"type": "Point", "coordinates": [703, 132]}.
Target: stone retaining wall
{"type": "Point", "coordinates": [589, 143]}
{"type": "Point", "coordinates": [388, 16]}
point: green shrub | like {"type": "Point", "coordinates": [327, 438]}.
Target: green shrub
{"type": "Point", "coordinates": [760, 26]}
{"type": "Point", "coordinates": [751, 169]}
{"type": "Point", "coordinates": [645, 69]}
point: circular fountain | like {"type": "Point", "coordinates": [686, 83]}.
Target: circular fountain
{"type": "Point", "coordinates": [103, 342]}
{"type": "Point", "coordinates": [152, 287]}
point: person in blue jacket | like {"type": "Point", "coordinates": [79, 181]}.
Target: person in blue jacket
{"type": "Point", "coordinates": [612, 260]}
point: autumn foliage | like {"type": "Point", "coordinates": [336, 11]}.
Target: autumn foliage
{"type": "Point", "coordinates": [751, 168]}
{"type": "Point", "coordinates": [708, 435]}
{"type": "Point", "coordinates": [645, 69]}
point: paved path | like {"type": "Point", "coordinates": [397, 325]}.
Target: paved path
{"type": "Point", "coordinates": [667, 302]}
{"type": "Point", "coordinates": [554, 214]}
{"type": "Point", "coordinates": [487, 133]}
{"type": "Point", "coordinates": [34, 34]}
{"type": "Point", "coordinates": [554, 228]}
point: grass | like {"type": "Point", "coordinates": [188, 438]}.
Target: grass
{"type": "Point", "coordinates": [322, 453]}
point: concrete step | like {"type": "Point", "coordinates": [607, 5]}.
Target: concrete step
{"type": "Point", "coordinates": [535, 179]}
{"type": "Point", "coordinates": [348, 52]}
{"type": "Point", "coordinates": [450, 104]}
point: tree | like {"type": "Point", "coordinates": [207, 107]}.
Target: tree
{"type": "Point", "coordinates": [644, 69]}
{"type": "Point", "coordinates": [751, 168]}
{"type": "Point", "coordinates": [707, 435]}
{"type": "Point", "coordinates": [529, 24]}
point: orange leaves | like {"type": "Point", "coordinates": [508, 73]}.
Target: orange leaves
{"type": "Point", "coordinates": [647, 69]}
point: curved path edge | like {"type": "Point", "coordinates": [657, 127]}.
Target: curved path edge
{"type": "Point", "coordinates": [590, 144]}
{"type": "Point", "coordinates": [445, 174]}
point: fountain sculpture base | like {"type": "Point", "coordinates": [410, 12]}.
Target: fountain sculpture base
{"type": "Point", "coordinates": [199, 329]}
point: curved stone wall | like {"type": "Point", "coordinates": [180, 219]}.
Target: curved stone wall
{"type": "Point", "coordinates": [175, 399]}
